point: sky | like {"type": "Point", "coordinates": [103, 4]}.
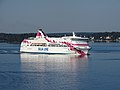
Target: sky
{"type": "Point", "coordinates": [27, 16]}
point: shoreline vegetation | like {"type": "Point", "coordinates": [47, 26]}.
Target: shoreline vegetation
{"type": "Point", "coordinates": [93, 36]}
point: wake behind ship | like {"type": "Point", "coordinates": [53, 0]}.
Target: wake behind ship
{"type": "Point", "coordinates": [52, 45]}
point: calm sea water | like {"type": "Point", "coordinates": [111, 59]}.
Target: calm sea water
{"type": "Point", "coordinates": [98, 71]}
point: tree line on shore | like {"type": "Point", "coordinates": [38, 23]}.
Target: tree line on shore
{"type": "Point", "coordinates": [96, 37]}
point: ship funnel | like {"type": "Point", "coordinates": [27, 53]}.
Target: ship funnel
{"type": "Point", "coordinates": [40, 34]}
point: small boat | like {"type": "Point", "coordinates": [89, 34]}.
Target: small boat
{"type": "Point", "coordinates": [53, 45]}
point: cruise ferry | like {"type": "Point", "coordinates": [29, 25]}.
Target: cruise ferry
{"type": "Point", "coordinates": [53, 45]}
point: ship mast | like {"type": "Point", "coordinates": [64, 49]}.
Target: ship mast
{"type": "Point", "coordinates": [73, 34]}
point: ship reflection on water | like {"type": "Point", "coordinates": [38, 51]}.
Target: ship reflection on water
{"type": "Point", "coordinates": [53, 72]}
{"type": "Point", "coordinates": [44, 62]}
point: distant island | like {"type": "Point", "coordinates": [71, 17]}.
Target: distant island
{"type": "Point", "coordinates": [93, 36]}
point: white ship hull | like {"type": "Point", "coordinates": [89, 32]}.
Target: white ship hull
{"type": "Point", "coordinates": [49, 50]}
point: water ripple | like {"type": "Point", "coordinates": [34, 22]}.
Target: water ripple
{"type": "Point", "coordinates": [4, 51]}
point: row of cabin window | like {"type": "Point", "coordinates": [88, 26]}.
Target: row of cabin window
{"type": "Point", "coordinates": [51, 45]}
{"type": "Point", "coordinates": [57, 45]}
{"type": "Point", "coordinates": [38, 45]}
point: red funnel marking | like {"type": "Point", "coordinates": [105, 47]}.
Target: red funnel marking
{"type": "Point", "coordinates": [38, 34]}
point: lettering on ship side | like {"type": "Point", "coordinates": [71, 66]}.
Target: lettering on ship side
{"type": "Point", "coordinates": [43, 49]}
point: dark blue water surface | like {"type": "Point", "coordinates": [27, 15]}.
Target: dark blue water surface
{"type": "Point", "coordinates": [98, 71]}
